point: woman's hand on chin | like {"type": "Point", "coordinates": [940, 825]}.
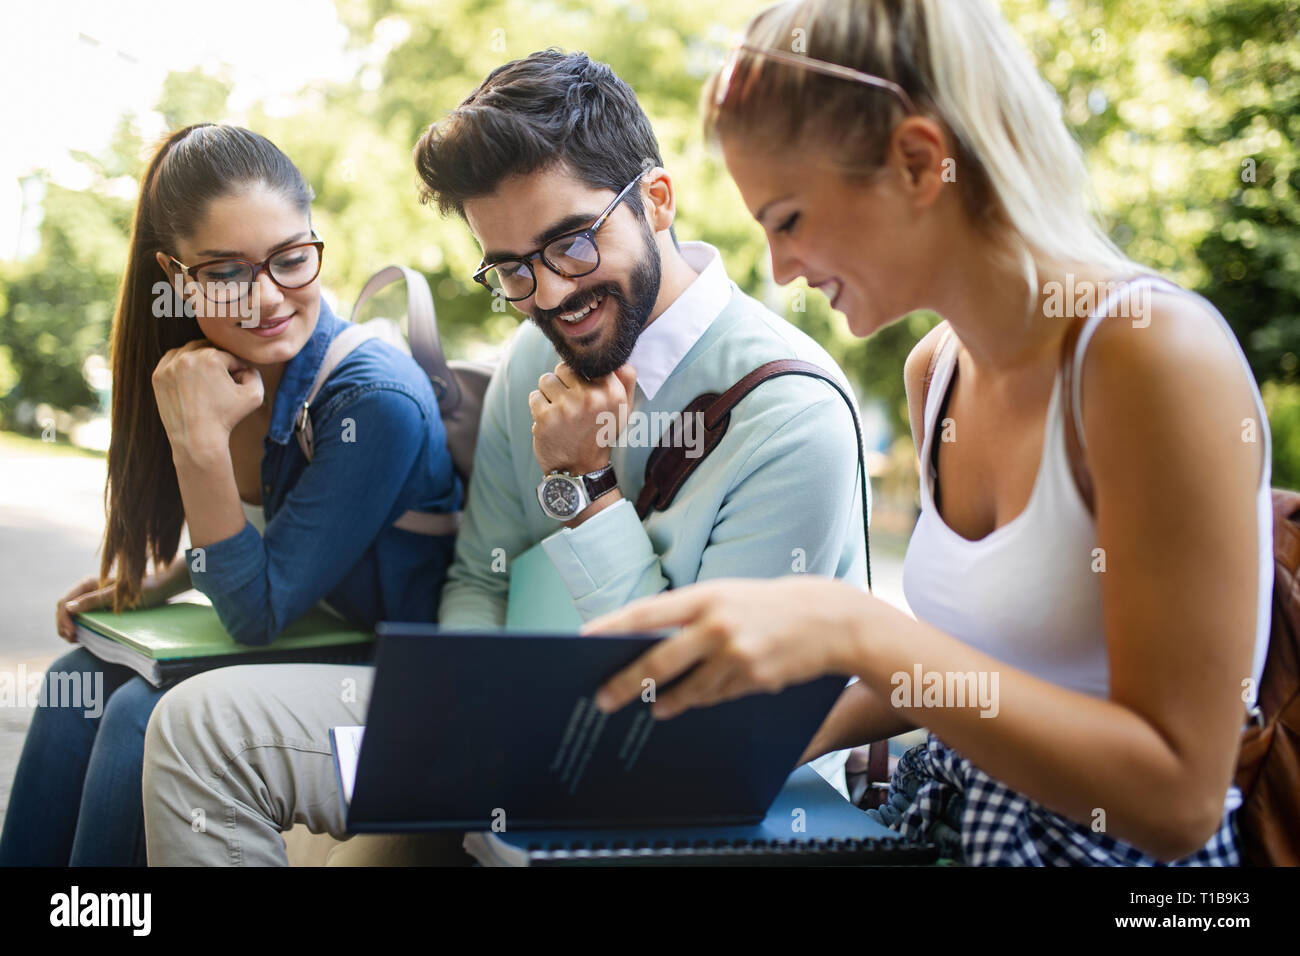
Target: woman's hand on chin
{"type": "Point", "coordinates": [740, 636]}
{"type": "Point", "coordinates": [202, 394]}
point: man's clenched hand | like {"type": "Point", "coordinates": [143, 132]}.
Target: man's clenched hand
{"type": "Point", "coordinates": [567, 417]}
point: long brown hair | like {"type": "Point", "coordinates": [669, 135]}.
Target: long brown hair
{"type": "Point", "coordinates": [142, 499]}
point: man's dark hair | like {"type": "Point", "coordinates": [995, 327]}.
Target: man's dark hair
{"type": "Point", "coordinates": [530, 114]}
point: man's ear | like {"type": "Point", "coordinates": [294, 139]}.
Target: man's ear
{"type": "Point", "coordinates": [660, 198]}
{"type": "Point", "coordinates": [920, 149]}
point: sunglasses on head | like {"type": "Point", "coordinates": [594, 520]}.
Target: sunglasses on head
{"type": "Point", "coordinates": [724, 87]}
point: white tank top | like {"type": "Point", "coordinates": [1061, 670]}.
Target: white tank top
{"type": "Point", "coordinates": [1026, 593]}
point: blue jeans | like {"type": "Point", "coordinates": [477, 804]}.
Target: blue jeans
{"type": "Point", "coordinates": [76, 798]}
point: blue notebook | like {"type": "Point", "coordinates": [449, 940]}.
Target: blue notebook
{"type": "Point", "coordinates": [808, 820]}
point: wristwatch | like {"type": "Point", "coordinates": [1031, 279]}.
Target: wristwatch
{"type": "Point", "coordinates": [564, 496]}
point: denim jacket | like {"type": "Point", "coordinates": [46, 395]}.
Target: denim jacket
{"type": "Point", "coordinates": [380, 450]}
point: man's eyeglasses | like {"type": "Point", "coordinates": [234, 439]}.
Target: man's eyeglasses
{"type": "Point", "coordinates": [229, 280]}
{"type": "Point", "coordinates": [571, 256]}
{"type": "Point", "coordinates": [724, 90]}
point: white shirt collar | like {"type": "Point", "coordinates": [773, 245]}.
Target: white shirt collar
{"type": "Point", "coordinates": [665, 341]}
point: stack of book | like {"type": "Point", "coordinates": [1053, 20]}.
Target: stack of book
{"type": "Point", "coordinates": [167, 643]}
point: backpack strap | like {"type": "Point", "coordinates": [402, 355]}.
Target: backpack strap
{"type": "Point", "coordinates": [343, 345]}
{"type": "Point", "coordinates": [669, 466]}
{"type": "Point", "coordinates": [421, 332]}
{"type": "Point", "coordinates": [340, 348]}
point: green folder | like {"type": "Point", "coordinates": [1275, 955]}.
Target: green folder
{"type": "Point", "coordinates": [166, 643]}
{"type": "Point", "coordinates": [539, 600]}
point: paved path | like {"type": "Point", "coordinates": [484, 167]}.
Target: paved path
{"type": "Point", "coordinates": [51, 520]}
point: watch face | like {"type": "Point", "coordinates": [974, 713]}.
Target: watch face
{"type": "Point", "coordinates": [560, 496]}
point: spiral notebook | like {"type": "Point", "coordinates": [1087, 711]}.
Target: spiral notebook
{"type": "Point", "coordinates": [808, 824]}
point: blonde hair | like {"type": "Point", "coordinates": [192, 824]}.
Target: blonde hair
{"type": "Point", "coordinates": [1021, 174]}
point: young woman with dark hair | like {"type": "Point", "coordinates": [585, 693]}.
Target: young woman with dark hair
{"type": "Point", "coordinates": [209, 386]}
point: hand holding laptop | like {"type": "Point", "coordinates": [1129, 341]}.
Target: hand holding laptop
{"type": "Point", "coordinates": [737, 637]}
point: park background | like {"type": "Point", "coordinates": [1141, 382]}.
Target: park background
{"type": "Point", "coordinates": [1186, 110]}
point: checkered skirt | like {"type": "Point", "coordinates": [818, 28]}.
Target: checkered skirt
{"type": "Point", "coordinates": [938, 795]}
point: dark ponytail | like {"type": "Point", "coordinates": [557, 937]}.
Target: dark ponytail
{"type": "Point", "coordinates": [142, 499]}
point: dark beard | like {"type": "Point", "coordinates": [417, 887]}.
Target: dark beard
{"type": "Point", "coordinates": [630, 316]}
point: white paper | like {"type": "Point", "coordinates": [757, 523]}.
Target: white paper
{"type": "Point", "coordinates": [347, 750]}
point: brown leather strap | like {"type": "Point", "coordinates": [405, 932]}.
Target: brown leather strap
{"type": "Point", "coordinates": [1073, 441]}
{"type": "Point", "coordinates": [878, 762]}
{"type": "Point", "coordinates": [669, 465]}
{"type": "Point", "coordinates": [728, 400]}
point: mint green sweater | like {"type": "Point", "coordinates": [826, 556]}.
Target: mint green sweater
{"type": "Point", "coordinates": [779, 494]}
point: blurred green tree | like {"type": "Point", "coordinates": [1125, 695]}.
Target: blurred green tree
{"type": "Point", "coordinates": [1189, 113]}
{"type": "Point", "coordinates": [1186, 109]}
{"type": "Point", "coordinates": [56, 308]}
{"type": "Point", "coordinates": [192, 97]}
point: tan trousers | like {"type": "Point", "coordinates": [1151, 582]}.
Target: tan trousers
{"type": "Point", "coordinates": [237, 755]}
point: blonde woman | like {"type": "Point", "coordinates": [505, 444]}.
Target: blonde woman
{"type": "Point", "coordinates": [911, 157]}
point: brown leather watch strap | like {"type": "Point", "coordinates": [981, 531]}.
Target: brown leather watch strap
{"type": "Point", "coordinates": [599, 482]}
